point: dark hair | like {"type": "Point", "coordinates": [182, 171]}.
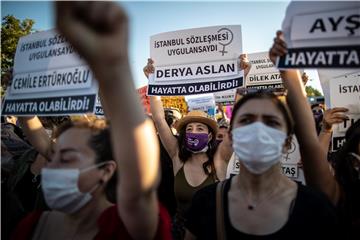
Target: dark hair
{"type": "Point", "coordinates": [53, 122]}
{"type": "Point", "coordinates": [346, 175]}
{"type": "Point", "coordinates": [185, 154]}
{"type": "Point", "coordinates": [100, 142]}
{"type": "Point", "coordinates": [269, 96]}
{"type": "Point", "coordinates": [315, 105]}
{"type": "Point", "coordinates": [170, 117]}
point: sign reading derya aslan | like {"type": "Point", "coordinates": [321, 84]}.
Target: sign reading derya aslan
{"type": "Point", "coordinates": [196, 61]}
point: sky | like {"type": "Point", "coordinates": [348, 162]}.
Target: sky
{"type": "Point", "coordinates": [259, 21]}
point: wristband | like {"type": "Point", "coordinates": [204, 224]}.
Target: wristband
{"type": "Point", "coordinates": [326, 130]}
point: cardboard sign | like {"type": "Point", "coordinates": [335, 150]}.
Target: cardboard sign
{"type": "Point", "coordinates": [345, 92]}
{"type": "Point", "coordinates": [203, 102]}
{"type": "Point", "coordinates": [225, 98]}
{"type": "Point", "coordinates": [233, 167]}
{"type": "Point", "coordinates": [290, 170]}
{"type": "Point", "coordinates": [290, 160]}
{"type": "Point", "coordinates": [49, 78]}
{"type": "Point", "coordinates": [322, 35]}
{"type": "Point", "coordinates": [293, 154]}
{"type": "Point", "coordinates": [99, 111]}
{"type": "Point", "coordinates": [196, 61]}
{"type": "Point", "coordinates": [339, 131]}
{"type": "Point", "coordinates": [262, 74]}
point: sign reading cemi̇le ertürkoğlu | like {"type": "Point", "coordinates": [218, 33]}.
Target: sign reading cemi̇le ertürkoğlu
{"type": "Point", "coordinates": [196, 61]}
{"type": "Point", "coordinates": [49, 78]}
{"type": "Point", "coordinates": [323, 39]}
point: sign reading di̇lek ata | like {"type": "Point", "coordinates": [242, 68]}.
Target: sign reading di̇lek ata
{"type": "Point", "coordinates": [262, 74]}
{"type": "Point", "coordinates": [196, 61]}
{"type": "Point", "coordinates": [49, 78]}
{"type": "Point", "coordinates": [328, 39]}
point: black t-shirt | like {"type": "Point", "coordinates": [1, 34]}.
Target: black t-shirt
{"type": "Point", "coordinates": [165, 190]}
{"type": "Point", "coordinates": [312, 217]}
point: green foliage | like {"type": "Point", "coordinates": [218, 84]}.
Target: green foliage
{"type": "Point", "coordinates": [11, 30]}
{"type": "Point", "coordinates": [312, 92]}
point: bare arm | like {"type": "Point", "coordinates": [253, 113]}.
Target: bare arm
{"type": "Point", "coordinates": [315, 164]}
{"type": "Point", "coordinates": [36, 134]}
{"type": "Point", "coordinates": [158, 115]}
{"type": "Point", "coordinates": [246, 66]}
{"type": "Point", "coordinates": [224, 150]}
{"type": "Point", "coordinates": [136, 149]}
{"type": "Point", "coordinates": [222, 157]}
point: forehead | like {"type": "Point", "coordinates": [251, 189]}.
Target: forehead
{"type": "Point", "coordinates": [75, 138]}
{"type": "Point", "coordinates": [317, 108]}
{"type": "Point", "coordinates": [222, 130]}
{"type": "Point", "coordinates": [196, 124]}
{"type": "Point", "coordinates": [260, 107]}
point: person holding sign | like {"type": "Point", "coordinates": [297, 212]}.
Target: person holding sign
{"type": "Point", "coordinates": [86, 156]}
{"type": "Point", "coordinates": [340, 182]}
{"type": "Point", "coordinates": [196, 160]}
{"type": "Point", "coordinates": [261, 202]}
{"type": "Point", "coordinates": [346, 164]}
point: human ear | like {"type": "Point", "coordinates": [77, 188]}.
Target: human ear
{"type": "Point", "coordinates": [287, 144]}
{"type": "Point", "coordinates": [109, 170]}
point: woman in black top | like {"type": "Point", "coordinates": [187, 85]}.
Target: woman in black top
{"type": "Point", "coordinates": [261, 202]}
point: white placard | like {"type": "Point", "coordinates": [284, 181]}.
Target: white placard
{"type": "Point", "coordinates": [196, 71]}
{"type": "Point", "coordinates": [233, 167]}
{"type": "Point", "coordinates": [290, 170]}
{"type": "Point", "coordinates": [293, 154]}
{"type": "Point", "coordinates": [99, 110]}
{"type": "Point", "coordinates": [203, 102]}
{"type": "Point", "coordinates": [53, 80]}
{"type": "Point", "coordinates": [345, 92]}
{"type": "Point", "coordinates": [322, 35]}
{"type": "Point", "coordinates": [333, 24]}
{"type": "Point", "coordinates": [196, 61]}
{"type": "Point", "coordinates": [49, 78]}
{"type": "Point", "coordinates": [262, 74]}
{"type": "Point", "coordinates": [226, 97]}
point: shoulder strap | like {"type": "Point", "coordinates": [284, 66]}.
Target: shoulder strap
{"type": "Point", "coordinates": [220, 223]}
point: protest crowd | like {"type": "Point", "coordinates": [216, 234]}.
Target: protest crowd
{"type": "Point", "coordinates": [265, 164]}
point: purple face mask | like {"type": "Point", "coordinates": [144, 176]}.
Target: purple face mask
{"type": "Point", "coordinates": [196, 142]}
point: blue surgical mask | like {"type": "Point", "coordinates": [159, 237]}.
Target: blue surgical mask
{"type": "Point", "coordinates": [60, 187]}
{"type": "Point", "coordinates": [258, 146]}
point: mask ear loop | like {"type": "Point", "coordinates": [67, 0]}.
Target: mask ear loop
{"type": "Point", "coordinates": [101, 182]}
{"type": "Point", "coordinates": [92, 167]}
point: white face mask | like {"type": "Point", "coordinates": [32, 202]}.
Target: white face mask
{"type": "Point", "coordinates": [258, 146]}
{"type": "Point", "coordinates": [60, 187]}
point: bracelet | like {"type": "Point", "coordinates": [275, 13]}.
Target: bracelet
{"type": "Point", "coordinates": [326, 130]}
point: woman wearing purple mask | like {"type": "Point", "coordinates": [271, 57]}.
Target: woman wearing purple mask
{"type": "Point", "coordinates": [192, 154]}
{"type": "Point", "coordinates": [197, 162]}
